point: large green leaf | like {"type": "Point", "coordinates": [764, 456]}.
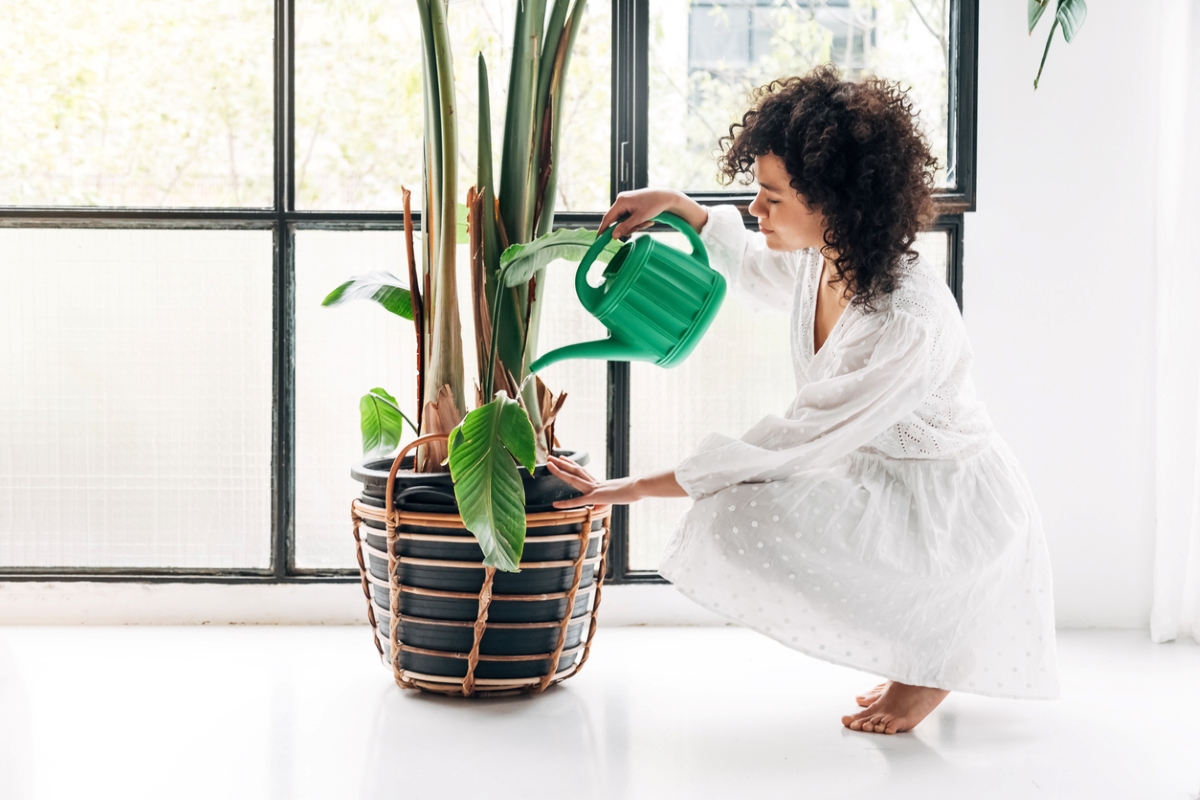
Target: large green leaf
{"type": "Point", "coordinates": [517, 157]}
{"type": "Point", "coordinates": [487, 485]}
{"type": "Point", "coordinates": [519, 262]}
{"type": "Point", "coordinates": [382, 287]}
{"type": "Point", "coordinates": [1071, 14]}
{"type": "Point", "coordinates": [1036, 9]}
{"type": "Point", "coordinates": [382, 422]}
{"type": "Point", "coordinates": [558, 86]}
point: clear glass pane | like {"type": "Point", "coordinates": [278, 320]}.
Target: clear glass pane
{"type": "Point", "coordinates": [740, 372]}
{"type": "Point", "coordinates": [343, 352]}
{"type": "Point", "coordinates": [706, 55]}
{"type": "Point", "coordinates": [113, 103]}
{"type": "Point", "coordinates": [358, 101]}
{"type": "Point", "coordinates": [135, 410]}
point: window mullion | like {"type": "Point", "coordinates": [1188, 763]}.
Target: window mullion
{"type": "Point", "coordinates": [283, 428]}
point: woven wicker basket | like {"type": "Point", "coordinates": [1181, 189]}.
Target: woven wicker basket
{"type": "Point", "coordinates": [408, 530]}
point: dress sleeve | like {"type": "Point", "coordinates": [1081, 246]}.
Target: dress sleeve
{"type": "Point", "coordinates": [880, 373]}
{"type": "Point", "coordinates": [762, 278]}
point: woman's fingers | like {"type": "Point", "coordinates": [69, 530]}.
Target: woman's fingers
{"type": "Point", "coordinates": [611, 215]}
{"type": "Point", "coordinates": [583, 484]}
{"type": "Point", "coordinates": [570, 467]}
{"type": "Point", "coordinates": [632, 224]}
{"type": "Point", "coordinates": [641, 205]}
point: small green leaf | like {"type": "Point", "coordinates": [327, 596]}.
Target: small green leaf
{"type": "Point", "coordinates": [1071, 13]}
{"type": "Point", "coordinates": [487, 485]}
{"type": "Point", "coordinates": [520, 261]}
{"type": "Point", "coordinates": [382, 287]}
{"type": "Point", "coordinates": [382, 422]}
{"type": "Point", "coordinates": [1036, 9]}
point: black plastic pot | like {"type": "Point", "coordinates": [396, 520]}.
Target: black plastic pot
{"type": "Point", "coordinates": [541, 489]}
{"type": "Point", "coordinates": [445, 623]}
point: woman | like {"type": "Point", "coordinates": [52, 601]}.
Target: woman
{"type": "Point", "coordinates": [880, 523]}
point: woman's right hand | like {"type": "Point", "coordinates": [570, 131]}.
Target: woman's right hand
{"type": "Point", "coordinates": [643, 205]}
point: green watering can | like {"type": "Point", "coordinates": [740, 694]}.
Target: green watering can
{"type": "Point", "coordinates": [655, 301]}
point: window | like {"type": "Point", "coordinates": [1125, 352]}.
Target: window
{"type": "Point", "coordinates": [181, 182]}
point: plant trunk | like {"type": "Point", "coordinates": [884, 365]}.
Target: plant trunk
{"type": "Point", "coordinates": [444, 401]}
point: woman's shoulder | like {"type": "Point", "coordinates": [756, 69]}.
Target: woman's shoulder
{"type": "Point", "coordinates": [921, 304]}
{"type": "Point", "coordinates": [922, 293]}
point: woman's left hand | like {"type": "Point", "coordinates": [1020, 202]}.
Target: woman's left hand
{"type": "Point", "coordinates": [601, 494]}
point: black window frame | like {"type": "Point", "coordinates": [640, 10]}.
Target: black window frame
{"type": "Point", "coordinates": [628, 170]}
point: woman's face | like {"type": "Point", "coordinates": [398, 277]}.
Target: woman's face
{"type": "Point", "coordinates": [783, 215]}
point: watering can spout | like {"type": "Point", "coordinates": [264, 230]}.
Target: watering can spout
{"type": "Point", "coordinates": [609, 349]}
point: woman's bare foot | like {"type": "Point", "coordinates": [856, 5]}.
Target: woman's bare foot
{"type": "Point", "coordinates": [898, 709]}
{"type": "Point", "coordinates": [871, 695]}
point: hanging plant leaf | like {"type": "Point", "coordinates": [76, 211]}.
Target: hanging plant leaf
{"type": "Point", "coordinates": [382, 422]}
{"type": "Point", "coordinates": [1036, 9]}
{"type": "Point", "coordinates": [1071, 14]}
{"type": "Point", "coordinates": [382, 287]}
{"type": "Point", "coordinates": [487, 485]}
{"type": "Point", "coordinates": [520, 261]}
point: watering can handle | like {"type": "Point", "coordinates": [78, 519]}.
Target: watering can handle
{"type": "Point", "coordinates": [698, 251]}
{"type": "Point", "coordinates": [590, 295]}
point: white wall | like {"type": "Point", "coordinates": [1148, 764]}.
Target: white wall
{"type": "Point", "coordinates": [1059, 290]}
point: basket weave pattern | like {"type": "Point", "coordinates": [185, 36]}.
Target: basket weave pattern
{"type": "Point", "coordinates": [469, 685]}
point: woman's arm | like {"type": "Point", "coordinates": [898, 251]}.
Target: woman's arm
{"type": "Point", "coordinates": [642, 205]}
{"type": "Point", "coordinates": [618, 491]}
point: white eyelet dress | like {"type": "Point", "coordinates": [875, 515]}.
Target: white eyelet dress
{"type": "Point", "coordinates": [880, 523]}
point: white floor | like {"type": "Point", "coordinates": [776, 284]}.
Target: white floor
{"type": "Point", "coordinates": [263, 712]}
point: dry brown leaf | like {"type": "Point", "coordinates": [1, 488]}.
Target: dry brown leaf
{"type": "Point", "coordinates": [417, 296]}
{"type": "Point", "coordinates": [483, 323]}
{"type": "Point", "coordinates": [441, 416]}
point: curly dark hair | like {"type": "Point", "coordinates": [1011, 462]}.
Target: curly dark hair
{"type": "Point", "coordinates": [853, 151]}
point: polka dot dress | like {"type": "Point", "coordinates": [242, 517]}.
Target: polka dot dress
{"type": "Point", "coordinates": [881, 522]}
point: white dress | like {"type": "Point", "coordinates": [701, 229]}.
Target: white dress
{"type": "Point", "coordinates": [880, 523]}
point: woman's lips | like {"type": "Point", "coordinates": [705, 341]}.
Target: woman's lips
{"type": "Point", "coordinates": [765, 230]}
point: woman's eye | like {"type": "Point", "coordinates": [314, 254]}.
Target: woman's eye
{"type": "Point", "coordinates": [772, 202]}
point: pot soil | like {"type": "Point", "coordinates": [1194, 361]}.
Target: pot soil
{"type": "Point", "coordinates": [455, 626]}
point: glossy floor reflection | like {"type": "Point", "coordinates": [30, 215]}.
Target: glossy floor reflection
{"type": "Point", "coordinates": [262, 712]}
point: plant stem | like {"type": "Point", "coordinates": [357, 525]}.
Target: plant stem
{"type": "Point", "coordinates": [1045, 52]}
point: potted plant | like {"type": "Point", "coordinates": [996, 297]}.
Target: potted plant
{"type": "Point", "coordinates": [475, 583]}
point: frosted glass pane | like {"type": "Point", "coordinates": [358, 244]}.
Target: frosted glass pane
{"type": "Point", "coordinates": [118, 103]}
{"type": "Point", "coordinates": [135, 409]}
{"type": "Point", "coordinates": [359, 112]}
{"type": "Point", "coordinates": [706, 55]}
{"type": "Point", "coordinates": [583, 422]}
{"type": "Point", "coordinates": [934, 247]}
{"type": "Point", "coordinates": [740, 372]}
{"type": "Point", "coordinates": [343, 352]}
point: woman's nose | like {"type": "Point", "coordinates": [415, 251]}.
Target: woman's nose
{"type": "Point", "coordinates": [755, 207]}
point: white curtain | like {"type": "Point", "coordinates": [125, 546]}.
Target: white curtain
{"type": "Point", "coordinates": [1176, 608]}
